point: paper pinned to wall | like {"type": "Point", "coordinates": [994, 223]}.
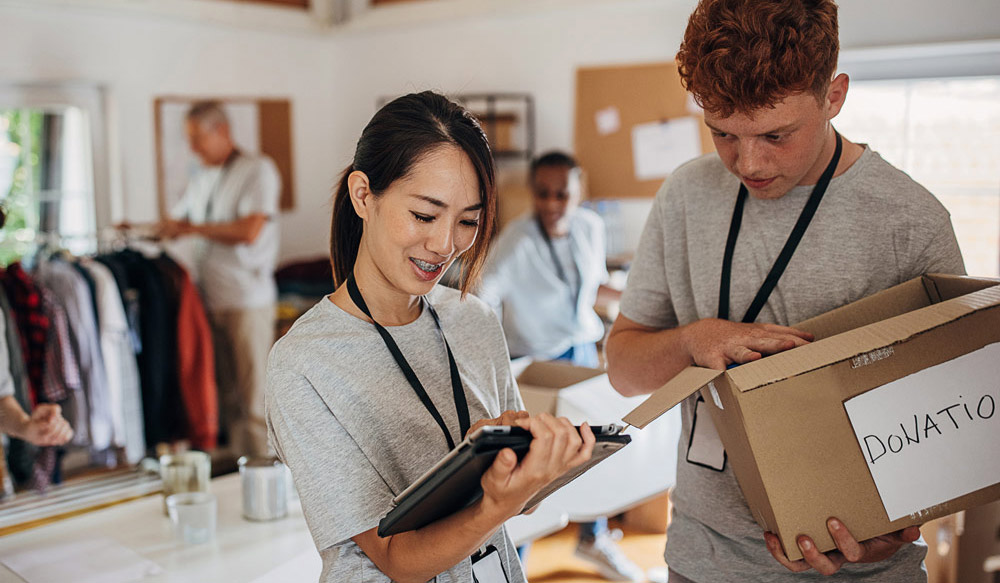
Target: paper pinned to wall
{"type": "Point", "coordinates": [658, 148]}
{"type": "Point", "coordinates": [608, 120]}
{"type": "Point", "coordinates": [926, 437]}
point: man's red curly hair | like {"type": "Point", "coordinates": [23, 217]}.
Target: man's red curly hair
{"type": "Point", "coordinates": [741, 55]}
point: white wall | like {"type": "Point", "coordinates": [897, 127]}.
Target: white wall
{"type": "Point", "coordinates": [335, 79]}
{"type": "Point", "coordinates": [137, 58]}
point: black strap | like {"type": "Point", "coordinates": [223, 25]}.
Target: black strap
{"type": "Point", "coordinates": [786, 252]}
{"type": "Point", "coordinates": [223, 174]}
{"type": "Point", "coordinates": [559, 266]}
{"type": "Point", "coordinates": [461, 405]}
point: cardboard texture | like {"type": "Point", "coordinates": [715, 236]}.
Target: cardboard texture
{"type": "Point", "coordinates": [782, 418]}
{"type": "Point", "coordinates": [541, 382]}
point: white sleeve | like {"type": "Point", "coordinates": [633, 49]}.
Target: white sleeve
{"type": "Point", "coordinates": [261, 191]}
{"type": "Point", "coordinates": [493, 286]}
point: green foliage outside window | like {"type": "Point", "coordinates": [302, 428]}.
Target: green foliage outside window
{"type": "Point", "coordinates": [20, 143]}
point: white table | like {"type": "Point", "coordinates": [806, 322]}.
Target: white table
{"type": "Point", "coordinates": [282, 550]}
{"type": "Point", "coordinates": [242, 552]}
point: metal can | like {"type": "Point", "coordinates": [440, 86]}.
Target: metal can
{"type": "Point", "coordinates": [264, 484]}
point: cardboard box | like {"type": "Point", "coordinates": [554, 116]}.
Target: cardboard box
{"type": "Point", "coordinates": [541, 383]}
{"type": "Point", "coordinates": [801, 457]}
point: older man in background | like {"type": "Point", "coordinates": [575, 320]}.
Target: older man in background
{"type": "Point", "coordinates": [231, 204]}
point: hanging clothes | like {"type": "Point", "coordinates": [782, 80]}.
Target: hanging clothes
{"type": "Point", "coordinates": [73, 293]}
{"type": "Point", "coordinates": [32, 323]}
{"type": "Point", "coordinates": [195, 356]}
{"type": "Point", "coordinates": [60, 383]}
{"type": "Point", "coordinates": [156, 360]}
{"type": "Point", "coordinates": [119, 363]}
{"type": "Point", "coordinates": [20, 453]}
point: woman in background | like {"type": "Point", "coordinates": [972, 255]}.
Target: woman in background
{"type": "Point", "coordinates": [342, 414]}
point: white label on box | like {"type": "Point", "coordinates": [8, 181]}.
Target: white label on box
{"type": "Point", "coordinates": [932, 436]}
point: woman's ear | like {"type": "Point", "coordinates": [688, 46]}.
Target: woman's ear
{"type": "Point", "coordinates": [360, 192]}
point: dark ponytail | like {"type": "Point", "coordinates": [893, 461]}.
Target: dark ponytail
{"type": "Point", "coordinates": [345, 231]}
{"type": "Point", "coordinates": [399, 135]}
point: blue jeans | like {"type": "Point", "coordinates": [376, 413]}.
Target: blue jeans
{"type": "Point", "coordinates": [582, 355]}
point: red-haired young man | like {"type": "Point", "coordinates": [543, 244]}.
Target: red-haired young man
{"type": "Point", "coordinates": [765, 73]}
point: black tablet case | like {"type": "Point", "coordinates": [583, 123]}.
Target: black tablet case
{"type": "Point", "coordinates": [456, 484]}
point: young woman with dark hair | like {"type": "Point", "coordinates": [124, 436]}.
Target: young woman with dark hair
{"type": "Point", "coordinates": [341, 412]}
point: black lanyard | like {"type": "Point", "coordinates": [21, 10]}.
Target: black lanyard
{"type": "Point", "coordinates": [223, 174]}
{"type": "Point", "coordinates": [461, 405]}
{"type": "Point", "coordinates": [786, 252]}
{"type": "Point", "coordinates": [559, 266]}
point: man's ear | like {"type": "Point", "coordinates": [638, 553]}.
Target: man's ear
{"type": "Point", "coordinates": [836, 95]}
{"type": "Point", "coordinates": [361, 194]}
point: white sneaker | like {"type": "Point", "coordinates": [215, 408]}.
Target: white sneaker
{"type": "Point", "coordinates": [610, 561]}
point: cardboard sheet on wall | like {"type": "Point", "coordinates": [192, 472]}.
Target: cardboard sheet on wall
{"type": "Point", "coordinates": [610, 103]}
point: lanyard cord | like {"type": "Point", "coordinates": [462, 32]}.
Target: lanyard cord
{"type": "Point", "coordinates": [786, 252]}
{"type": "Point", "coordinates": [559, 266]}
{"type": "Point", "coordinates": [461, 405]}
{"type": "Point", "coordinates": [223, 174]}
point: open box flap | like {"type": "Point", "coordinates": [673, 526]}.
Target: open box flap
{"type": "Point", "coordinates": [906, 297]}
{"type": "Point", "coordinates": [676, 390]}
{"type": "Point", "coordinates": [859, 341]}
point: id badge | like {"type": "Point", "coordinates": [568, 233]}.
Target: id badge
{"type": "Point", "coordinates": [705, 448]}
{"type": "Point", "coordinates": [487, 568]}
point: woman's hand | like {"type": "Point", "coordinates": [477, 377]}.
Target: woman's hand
{"type": "Point", "coordinates": [417, 555]}
{"type": "Point", "coordinates": [47, 426]}
{"type": "Point", "coordinates": [849, 550]}
{"type": "Point", "coordinates": [508, 417]}
{"type": "Point", "coordinates": [556, 447]}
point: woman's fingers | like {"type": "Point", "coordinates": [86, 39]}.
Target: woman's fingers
{"type": "Point", "coordinates": [586, 449]}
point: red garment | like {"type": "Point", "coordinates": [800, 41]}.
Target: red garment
{"type": "Point", "coordinates": [195, 359]}
{"type": "Point", "coordinates": [32, 325]}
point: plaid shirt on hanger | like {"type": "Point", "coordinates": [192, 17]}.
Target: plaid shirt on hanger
{"type": "Point", "coordinates": [32, 324]}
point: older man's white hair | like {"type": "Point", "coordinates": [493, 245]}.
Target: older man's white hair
{"type": "Point", "coordinates": [208, 114]}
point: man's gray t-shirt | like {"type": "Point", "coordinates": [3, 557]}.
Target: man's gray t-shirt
{"type": "Point", "coordinates": [874, 228]}
{"type": "Point", "coordinates": [342, 416]}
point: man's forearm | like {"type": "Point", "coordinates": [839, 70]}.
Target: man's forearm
{"type": "Point", "coordinates": [241, 231]}
{"type": "Point", "coordinates": [641, 361]}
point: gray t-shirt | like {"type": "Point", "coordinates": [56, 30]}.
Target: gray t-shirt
{"type": "Point", "coordinates": [874, 228]}
{"type": "Point", "coordinates": [342, 416]}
